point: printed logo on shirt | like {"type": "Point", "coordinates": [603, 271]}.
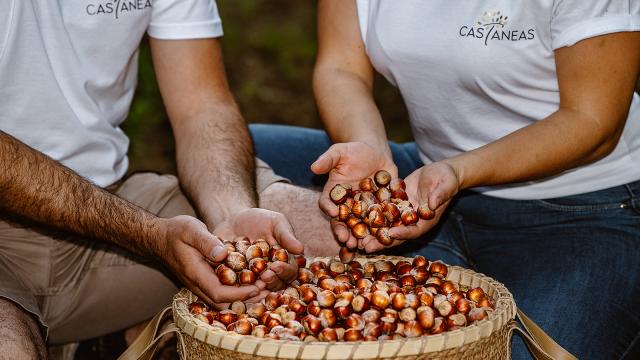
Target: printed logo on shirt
{"type": "Point", "coordinates": [116, 8]}
{"type": "Point", "coordinates": [493, 27]}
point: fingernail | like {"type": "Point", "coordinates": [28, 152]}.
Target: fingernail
{"type": "Point", "coordinates": [254, 293]}
{"type": "Point", "coordinates": [218, 251]}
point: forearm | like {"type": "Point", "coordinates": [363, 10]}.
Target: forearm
{"type": "Point", "coordinates": [39, 189]}
{"type": "Point", "coordinates": [348, 110]}
{"type": "Point", "coordinates": [564, 140]}
{"type": "Point", "coordinates": [216, 162]}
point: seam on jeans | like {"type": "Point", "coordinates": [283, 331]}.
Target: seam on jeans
{"type": "Point", "coordinates": [631, 345]}
{"type": "Point", "coordinates": [578, 208]}
{"type": "Point", "coordinates": [463, 238]}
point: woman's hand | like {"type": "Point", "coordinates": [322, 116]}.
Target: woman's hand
{"type": "Point", "coordinates": [348, 163]}
{"type": "Point", "coordinates": [435, 185]}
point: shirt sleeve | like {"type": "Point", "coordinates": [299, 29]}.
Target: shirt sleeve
{"type": "Point", "coordinates": [184, 19]}
{"type": "Point", "coordinates": [576, 20]}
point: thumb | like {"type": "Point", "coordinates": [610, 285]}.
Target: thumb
{"type": "Point", "coordinates": [283, 232]}
{"type": "Point", "coordinates": [437, 197]}
{"type": "Point", "coordinates": [210, 246]}
{"type": "Point", "coordinates": [327, 161]}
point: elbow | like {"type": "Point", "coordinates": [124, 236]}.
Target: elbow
{"type": "Point", "coordinates": [607, 144]}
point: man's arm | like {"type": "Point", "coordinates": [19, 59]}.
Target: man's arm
{"type": "Point", "coordinates": [214, 149]}
{"type": "Point", "coordinates": [36, 188]}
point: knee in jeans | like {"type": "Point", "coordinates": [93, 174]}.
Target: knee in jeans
{"type": "Point", "coordinates": [20, 336]}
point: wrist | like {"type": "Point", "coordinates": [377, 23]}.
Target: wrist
{"type": "Point", "coordinates": [156, 239]}
{"type": "Point", "coordinates": [215, 215]}
{"type": "Point", "coordinates": [458, 168]}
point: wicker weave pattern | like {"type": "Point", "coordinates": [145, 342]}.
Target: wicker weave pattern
{"type": "Point", "coordinates": [488, 339]}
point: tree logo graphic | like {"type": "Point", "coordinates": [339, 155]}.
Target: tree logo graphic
{"type": "Point", "coordinates": [493, 18]}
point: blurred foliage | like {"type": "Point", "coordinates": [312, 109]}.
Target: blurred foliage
{"type": "Point", "coordinates": [269, 50]}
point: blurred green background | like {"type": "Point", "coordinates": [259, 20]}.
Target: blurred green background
{"type": "Point", "coordinates": [269, 50]}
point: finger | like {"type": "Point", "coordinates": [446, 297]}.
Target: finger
{"type": "Point", "coordinates": [286, 272]}
{"type": "Point", "coordinates": [373, 246]}
{"type": "Point", "coordinates": [406, 232]}
{"type": "Point", "coordinates": [327, 161]}
{"type": "Point", "coordinates": [258, 298]}
{"type": "Point", "coordinates": [352, 243]}
{"type": "Point", "coordinates": [283, 233]}
{"type": "Point", "coordinates": [340, 230]}
{"type": "Point", "coordinates": [260, 284]}
{"type": "Point", "coordinates": [326, 205]}
{"type": "Point", "coordinates": [203, 277]}
{"type": "Point", "coordinates": [209, 246]}
{"type": "Point", "coordinates": [366, 240]}
{"type": "Point", "coordinates": [272, 280]}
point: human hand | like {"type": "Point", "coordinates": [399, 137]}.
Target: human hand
{"type": "Point", "coordinates": [433, 185]}
{"type": "Point", "coordinates": [348, 163]}
{"type": "Point", "coordinates": [272, 226]}
{"type": "Point", "coordinates": [187, 249]}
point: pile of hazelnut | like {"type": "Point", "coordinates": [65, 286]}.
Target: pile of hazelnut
{"type": "Point", "coordinates": [354, 301]}
{"type": "Point", "coordinates": [376, 206]}
{"type": "Point", "coordinates": [247, 259]}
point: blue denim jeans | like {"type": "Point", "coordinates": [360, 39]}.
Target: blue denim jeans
{"type": "Point", "coordinates": [572, 263]}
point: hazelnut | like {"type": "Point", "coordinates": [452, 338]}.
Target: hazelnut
{"type": "Point", "coordinates": [326, 299]}
{"type": "Point", "coordinates": [352, 221]}
{"type": "Point", "coordinates": [412, 301]}
{"type": "Point", "coordinates": [383, 236]}
{"type": "Point", "coordinates": [260, 331]}
{"type": "Point", "coordinates": [388, 325]}
{"type": "Point", "coordinates": [426, 299]}
{"type": "Point", "coordinates": [253, 251]}
{"type": "Point", "coordinates": [398, 301]}
{"type": "Point", "coordinates": [258, 265]}
{"type": "Point", "coordinates": [375, 219]}
{"type": "Point", "coordinates": [380, 300]}
{"type": "Point", "coordinates": [408, 314]}
{"type": "Point", "coordinates": [346, 255]}
{"type": "Point", "coordinates": [439, 268]}
{"type": "Point", "coordinates": [206, 316]}
{"type": "Point", "coordinates": [426, 317]}
{"type": "Point", "coordinates": [242, 327]}
{"type": "Point", "coordinates": [371, 315]}
{"type": "Point", "coordinates": [327, 284]}
{"type": "Point", "coordinates": [246, 277]}
{"type": "Point", "coordinates": [475, 294]}
{"type": "Point", "coordinates": [384, 265]}
{"type": "Point", "coordinates": [421, 274]}
{"type": "Point", "coordinates": [445, 308]}
{"type": "Point", "coordinates": [236, 261]}
{"type": "Point", "coordinates": [343, 212]}
{"type": "Point", "coordinates": [360, 304]}
{"type": "Point", "coordinates": [439, 326]}
{"type": "Point", "coordinates": [397, 184]}
{"type": "Point", "coordinates": [367, 185]}
{"type": "Point", "coordinates": [327, 318]}
{"type": "Point", "coordinates": [226, 275]}
{"type": "Point", "coordinates": [314, 308]}
{"type": "Point", "coordinates": [256, 310]}
{"type": "Point", "coordinates": [477, 314]}
{"type": "Point", "coordinates": [242, 243]}
{"type": "Point", "coordinates": [408, 280]}
{"type": "Point", "coordinates": [456, 321]}
{"type": "Point", "coordinates": [372, 329]}
{"type": "Point", "coordinates": [272, 301]}
{"type": "Point", "coordinates": [317, 265]}
{"type": "Point", "coordinates": [280, 255]}
{"type": "Point", "coordinates": [336, 268]}
{"type": "Point", "coordinates": [238, 307]}
{"type": "Point", "coordinates": [342, 309]}
{"type": "Point", "coordinates": [425, 213]}
{"type": "Point", "coordinates": [382, 178]}
{"type": "Point", "coordinates": [305, 276]}
{"type": "Point", "coordinates": [338, 194]}
{"type": "Point", "coordinates": [301, 261]}
{"type": "Point", "coordinates": [328, 334]}
{"type": "Point", "coordinates": [354, 321]}
{"type": "Point", "coordinates": [369, 199]}
{"type": "Point", "coordinates": [360, 230]}
{"type": "Point", "coordinates": [359, 208]}
{"type": "Point", "coordinates": [197, 307]}
{"type": "Point", "coordinates": [383, 194]}
{"type": "Point", "coordinates": [353, 335]}
{"type": "Point", "coordinates": [409, 217]}
{"type": "Point", "coordinates": [227, 317]}
{"type": "Point", "coordinates": [264, 245]}
{"type": "Point", "coordinates": [391, 212]}
{"type": "Point", "coordinates": [311, 324]}
{"type": "Point", "coordinates": [307, 293]}
{"type": "Point", "coordinates": [412, 329]}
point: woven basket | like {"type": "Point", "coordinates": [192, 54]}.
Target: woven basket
{"type": "Point", "coordinates": [486, 339]}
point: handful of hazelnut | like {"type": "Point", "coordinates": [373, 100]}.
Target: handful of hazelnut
{"type": "Point", "coordinates": [247, 260]}
{"type": "Point", "coordinates": [379, 204]}
{"type": "Point", "coordinates": [356, 301]}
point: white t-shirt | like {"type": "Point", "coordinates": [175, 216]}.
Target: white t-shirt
{"type": "Point", "coordinates": [471, 72]}
{"type": "Point", "coordinates": [68, 72]}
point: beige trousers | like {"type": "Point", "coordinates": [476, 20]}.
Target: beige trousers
{"type": "Point", "coordinates": [82, 288]}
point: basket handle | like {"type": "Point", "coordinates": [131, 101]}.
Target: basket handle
{"type": "Point", "coordinates": [541, 345]}
{"type": "Point", "coordinates": [145, 345]}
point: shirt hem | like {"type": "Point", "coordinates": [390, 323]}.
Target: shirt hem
{"type": "Point", "coordinates": [183, 31]}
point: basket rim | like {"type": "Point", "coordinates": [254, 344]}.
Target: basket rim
{"type": "Point", "coordinates": [504, 312]}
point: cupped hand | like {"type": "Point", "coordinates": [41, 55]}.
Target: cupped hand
{"type": "Point", "coordinates": [187, 249]}
{"type": "Point", "coordinates": [435, 185]}
{"type": "Point", "coordinates": [348, 163]}
{"type": "Point", "coordinates": [272, 226]}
